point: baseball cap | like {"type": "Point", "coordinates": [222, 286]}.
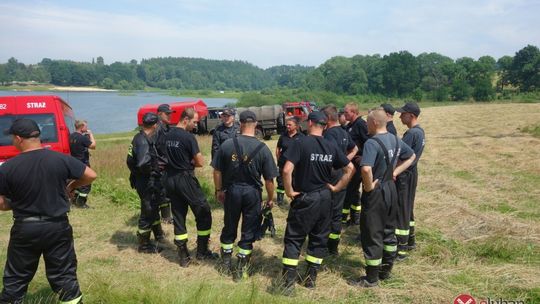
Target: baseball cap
{"type": "Point", "coordinates": [248, 116]}
{"type": "Point", "coordinates": [165, 108]}
{"type": "Point", "coordinates": [410, 107]}
{"type": "Point", "coordinates": [24, 127]}
{"type": "Point", "coordinates": [388, 108]}
{"type": "Point", "coordinates": [150, 118]}
{"type": "Point", "coordinates": [318, 117]}
{"type": "Point", "coordinates": [227, 112]}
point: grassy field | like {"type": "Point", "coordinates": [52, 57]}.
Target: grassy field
{"type": "Point", "coordinates": [477, 215]}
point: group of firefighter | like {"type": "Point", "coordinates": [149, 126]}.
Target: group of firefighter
{"type": "Point", "coordinates": [344, 171]}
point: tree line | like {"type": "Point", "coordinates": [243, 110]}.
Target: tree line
{"type": "Point", "coordinates": [397, 75]}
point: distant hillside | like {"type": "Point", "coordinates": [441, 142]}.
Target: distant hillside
{"type": "Point", "coordinates": [428, 76]}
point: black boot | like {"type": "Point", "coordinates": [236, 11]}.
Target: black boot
{"type": "Point", "coordinates": [242, 268]}
{"type": "Point", "coordinates": [165, 211]}
{"type": "Point", "coordinates": [311, 275]}
{"type": "Point", "coordinates": [371, 279]}
{"type": "Point", "coordinates": [203, 253]}
{"type": "Point", "coordinates": [402, 253]}
{"type": "Point", "coordinates": [333, 246]}
{"type": "Point", "coordinates": [280, 199]}
{"type": "Point", "coordinates": [159, 235]}
{"type": "Point", "coordinates": [145, 245]}
{"type": "Point", "coordinates": [183, 254]}
{"type": "Point", "coordinates": [226, 261]}
{"type": "Point", "coordinates": [411, 244]}
{"type": "Point", "coordinates": [345, 220]}
{"type": "Point", "coordinates": [288, 279]}
{"type": "Point", "coordinates": [355, 218]}
{"type": "Point", "coordinates": [385, 272]}
{"type": "Point", "coordinates": [80, 201]}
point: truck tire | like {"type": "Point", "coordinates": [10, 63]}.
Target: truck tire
{"type": "Point", "coordinates": [259, 134]}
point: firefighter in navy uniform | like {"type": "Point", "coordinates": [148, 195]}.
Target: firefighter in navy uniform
{"type": "Point", "coordinates": [389, 109]}
{"type": "Point", "coordinates": [292, 133]}
{"type": "Point", "coordinates": [227, 129]}
{"type": "Point", "coordinates": [164, 114]}
{"type": "Point", "coordinates": [142, 163]}
{"type": "Point", "coordinates": [379, 198]}
{"type": "Point", "coordinates": [358, 131]}
{"type": "Point", "coordinates": [406, 182]}
{"type": "Point", "coordinates": [341, 138]}
{"type": "Point", "coordinates": [33, 185]}
{"type": "Point", "coordinates": [80, 142]}
{"type": "Point", "coordinates": [183, 188]}
{"type": "Point", "coordinates": [238, 166]}
{"type": "Point", "coordinates": [312, 159]}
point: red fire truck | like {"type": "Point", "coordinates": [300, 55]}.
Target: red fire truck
{"type": "Point", "coordinates": [53, 115]}
{"type": "Point", "coordinates": [177, 108]}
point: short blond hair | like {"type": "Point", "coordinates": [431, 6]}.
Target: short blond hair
{"type": "Point", "coordinates": [80, 123]}
{"type": "Point", "coordinates": [353, 106]}
{"type": "Point", "coordinates": [378, 115]}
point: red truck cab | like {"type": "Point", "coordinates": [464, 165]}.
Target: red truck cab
{"type": "Point", "coordinates": [178, 107]}
{"type": "Point", "coordinates": [300, 109]}
{"type": "Point", "coordinates": [53, 115]}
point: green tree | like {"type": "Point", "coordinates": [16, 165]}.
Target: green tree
{"type": "Point", "coordinates": [433, 72]}
{"type": "Point", "coordinates": [107, 83]}
{"type": "Point", "coordinates": [401, 74]}
{"type": "Point", "coordinates": [4, 79]}
{"type": "Point", "coordinates": [525, 69]}
{"type": "Point", "coordinates": [483, 90]}
{"type": "Point", "coordinates": [504, 65]}
{"type": "Point", "coordinates": [60, 73]}
{"type": "Point", "coordinates": [461, 90]}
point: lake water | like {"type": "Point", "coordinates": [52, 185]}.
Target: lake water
{"type": "Point", "coordinates": [108, 112]}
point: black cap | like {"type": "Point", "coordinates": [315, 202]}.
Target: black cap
{"type": "Point", "coordinates": [318, 117]}
{"type": "Point", "coordinates": [410, 107]}
{"type": "Point", "coordinates": [248, 116]}
{"type": "Point", "coordinates": [388, 108]}
{"type": "Point", "coordinates": [150, 118]}
{"type": "Point", "coordinates": [24, 127]}
{"type": "Point", "coordinates": [227, 112]}
{"type": "Point", "coordinates": [165, 108]}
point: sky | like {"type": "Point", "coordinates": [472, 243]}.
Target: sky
{"type": "Point", "coordinates": [264, 33]}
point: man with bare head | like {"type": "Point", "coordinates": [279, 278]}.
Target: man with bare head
{"type": "Point", "coordinates": [291, 134]}
{"type": "Point", "coordinates": [183, 155]}
{"type": "Point", "coordinates": [80, 142]}
{"type": "Point", "coordinates": [384, 157]}
{"type": "Point", "coordinates": [341, 138]}
{"type": "Point", "coordinates": [227, 129]}
{"type": "Point", "coordinates": [358, 131]}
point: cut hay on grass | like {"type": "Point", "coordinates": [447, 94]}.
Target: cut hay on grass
{"type": "Point", "coordinates": [477, 215]}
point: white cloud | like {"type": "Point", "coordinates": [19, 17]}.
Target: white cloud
{"type": "Point", "coordinates": [283, 36]}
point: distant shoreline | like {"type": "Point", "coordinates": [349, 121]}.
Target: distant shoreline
{"type": "Point", "coordinates": [81, 89]}
{"type": "Point", "coordinates": [38, 87]}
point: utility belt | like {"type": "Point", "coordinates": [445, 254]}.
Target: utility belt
{"type": "Point", "coordinates": [41, 218]}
